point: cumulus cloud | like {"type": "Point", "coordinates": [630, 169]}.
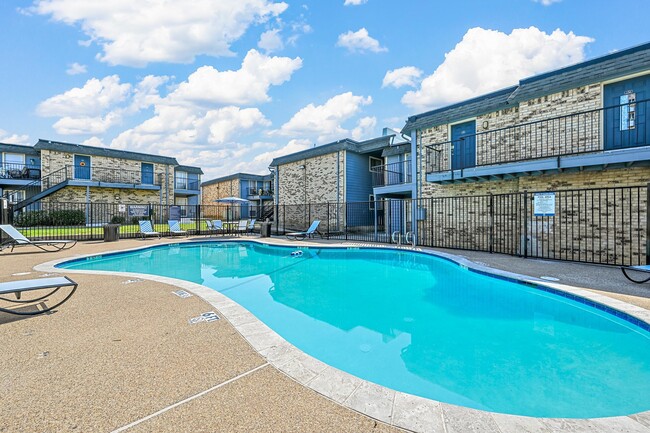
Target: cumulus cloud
{"type": "Point", "coordinates": [7, 137]}
{"type": "Point", "coordinates": [246, 86]}
{"type": "Point", "coordinates": [359, 41]}
{"type": "Point", "coordinates": [324, 121]}
{"type": "Point", "coordinates": [76, 69]}
{"type": "Point", "coordinates": [135, 33]}
{"type": "Point", "coordinates": [354, 2]}
{"type": "Point", "coordinates": [364, 129]}
{"type": "Point", "coordinates": [91, 99]}
{"type": "Point", "coordinates": [86, 125]}
{"type": "Point", "coordinates": [270, 41]}
{"type": "Point", "coordinates": [547, 2]}
{"type": "Point", "coordinates": [487, 60]}
{"type": "Point", "coordinates": [406, 76]}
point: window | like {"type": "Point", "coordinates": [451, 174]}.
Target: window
{"type": "Point", "coordinates": [181, 180]}
{"type": "Point", "coordinates": [371, 202]}
{"type": "Point", "coordinates": [375, 162]}
{"type": "Point", "coordinates": [15, 196]}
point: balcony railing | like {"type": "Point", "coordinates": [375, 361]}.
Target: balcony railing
{"type": "Point", "coordinates": [10, 170]}
{"type": "Point", "coordinates": [616, 127]}
{"type": "Point", "coordinates": [395, 173]}
{"type": "Point", "coordinates": [188, 184]}
{"type": "Point", "coordinates": [260, 192]}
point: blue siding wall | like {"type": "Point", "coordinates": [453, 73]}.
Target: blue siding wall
{"type": "Point", "coordinates": [358, 187]}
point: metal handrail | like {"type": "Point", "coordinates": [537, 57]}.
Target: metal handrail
{"type": "Point", "coordinates": [571, 134]}
{"type": "Point", "coordinates": [394, 173]}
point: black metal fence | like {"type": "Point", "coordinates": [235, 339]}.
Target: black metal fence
{"type": "Point", "coordinates": [601, 225]}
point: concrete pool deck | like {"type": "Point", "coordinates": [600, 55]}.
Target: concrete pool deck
{"type": "Point", "coordinates": [121, 356]}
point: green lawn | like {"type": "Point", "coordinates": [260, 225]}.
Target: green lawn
{"type": "Point", "coordinates": [97, 232]}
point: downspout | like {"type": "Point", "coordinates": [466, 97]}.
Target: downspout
{"type": "Point", "coordinates": [415, 188]}
{"type": "Point", "coordinates": [338, 188]}
{"type": "Point", "coordinates": [167, 185]}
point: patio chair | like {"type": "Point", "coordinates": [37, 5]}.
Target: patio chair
{"type": "Point", "coordinates": [175, 228]}
{"type": "Point", "coordinates": [298, 236]}
{"type": "Point", "coordinates": [147, 230]}
{"type": "Point", "coordinates": [643, 269]}
{"type": "Point", "coordinates": [17, 239]}
{"type": "Point", "coordinates": [242, 227]}
{"type": "Point", "coordinates": [251, 225]}
{"type": "Point", "coordinates": [217, 226]}
{"type": "Point", "coordinates": [18, 287]}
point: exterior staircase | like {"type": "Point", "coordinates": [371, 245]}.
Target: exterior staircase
{"type": "Point", "coordinates": [47, 185]}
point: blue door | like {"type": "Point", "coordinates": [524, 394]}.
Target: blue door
{"type": "Point", "coordinates": [147, 174]}
{"type": "Point", "coordinates": [626, 113]}
{"type": "Point", "coordinates": [463, 138]}
{"type": "Point", "coordinates": [82, 167]}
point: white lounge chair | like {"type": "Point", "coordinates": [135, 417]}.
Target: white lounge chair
{"type": "Point", "coordinates": [251, 225]}
{"type": "Point", "coordinates": [298, 236]}
{"type": "Point", "coordinates": [146, 229]}
{"type": "Point", "coordinates": [175, 228]}
{"type": "Point", "coordinates": [242, 227]}
{"type": "Point", "coordinates": [217, 226]}
{"type": "Point", "coordinates": [18, 287]}
{"type": "Point", "coordinates": [17, 239]}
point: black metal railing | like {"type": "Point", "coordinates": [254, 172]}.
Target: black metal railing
{"type": "Point", "coordinates": [615, 127]}
{"type": "Point", "coordinates": [10, 170]}
{"type": "Point", "coordinates": [601, 225]}
{"type": "Point", "coordinates": [259, 192]}
{"type": "Point", "coordinates": [394, 173]}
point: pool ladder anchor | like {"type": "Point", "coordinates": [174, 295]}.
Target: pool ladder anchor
{"type": "Point", "coordinates": [409, 238]}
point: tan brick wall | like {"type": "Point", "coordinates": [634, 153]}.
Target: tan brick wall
{"type": "Point", "coordinates": [104, 168]}
{"type": "Point", "coordinates": [228, 188]}
{"type": "Point", "coordinates": [316, 183]}
{"type": "Point", "coordinates": [77, 194]}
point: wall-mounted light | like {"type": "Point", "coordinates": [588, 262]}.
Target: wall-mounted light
{"type": "Point", "coordinates": [486, 124]}
{"type": "Point", "coordinates": [302, 167]}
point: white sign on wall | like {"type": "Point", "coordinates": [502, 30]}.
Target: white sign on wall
{"type": "Point", "coordinates": [544, 204]}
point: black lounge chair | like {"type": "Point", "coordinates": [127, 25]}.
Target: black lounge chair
{"type": "Point", "coordinates": [644, 269]}
{"type": "Point", "coordinates": [17, 239]}
{"type": "Point", "coordinates": [18, 287]}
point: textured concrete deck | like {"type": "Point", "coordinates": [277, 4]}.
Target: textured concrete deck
{"type": "Point", "coordinates": [121, 355]}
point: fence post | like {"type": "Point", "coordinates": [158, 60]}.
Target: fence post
{"type": "Point", "coordinates": [525, 224]}
{"type": "Point", "coordinates": [328, 220]}
{"type": "Point", "coordinates": [491, 223]}
{"type": "Point", "coordinates": [345, 223]}
{"type": "Point", "coordinates": [197, 219]}
{"type": "Point", "coordinates": [647, 224]}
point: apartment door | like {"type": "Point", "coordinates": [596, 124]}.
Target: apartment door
{"type": "Point", "coordinates": [463, 138]}
{"type": "Point", "coordinates": [626, 113]}
{"type": "Point", "coordinates": [147, 173]}
{"type": "Point", "coordinates": [82, 167]}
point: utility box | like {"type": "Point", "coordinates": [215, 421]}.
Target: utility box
{"type": "Point", "coordinates": [111, 232]}
{"type": "Point", "coordinates": [265, 229]}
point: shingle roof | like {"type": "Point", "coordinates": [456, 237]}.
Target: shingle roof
{"type": "Point", "coordinates": [189, 169]}
{"type": "Point", "coordinates": [611, 66]}
{"type": "Point", "coordinates": [240, 176]}
{"type": "Point", "coordinates": [18, 148]}
{"type": "Point", "coordinates": [103, 151]}
{"type": "Point", "coordinates": [345, 144]}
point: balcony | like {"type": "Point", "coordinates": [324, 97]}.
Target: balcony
{"type": "Point", "coordinates": [395, 173]}
{"type": "Point", "coordinates": [21, 172]}
{"type": "Point", "coordinates": [260, 192]}
{"type": "Point", "coordinates": [617, 135]}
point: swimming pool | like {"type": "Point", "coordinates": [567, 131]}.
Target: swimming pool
{"type": "Point", "coordinates": [423, 325]}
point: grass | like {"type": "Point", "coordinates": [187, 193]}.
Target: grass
{"type": "Point", "coordinates": [42, 232]}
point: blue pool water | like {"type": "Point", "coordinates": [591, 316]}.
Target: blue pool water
{"type": "Point", "coordinates": [424, 325]}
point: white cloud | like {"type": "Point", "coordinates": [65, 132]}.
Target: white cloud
{"type": "Point", "coordinates": [76, 69]}
{"type": "Point", "coordinates": [406, 76]}
{"type": "Point", "coordinates": [354, 2]}
{"type": "Point", "coordinates": [7, 137]}
{"type": "Point", "coordinates": [246, 86]}
{"type": "Point", "coordinates": [270, 41]}
{"type": "Point", "coordinates": [91, 99]}
{"type": "Point", "coordinates": [359, 41]}
{"type": "Point", "coordinates": [487, 60]}
{"type": "Point", "coordinates": [260, 163]}
{"type": "Point", "coordinates": [324, 121]}
{"type": "Point", "coordinates": [86, 125]}
{"type": "Point", "coordinates": [364, 129]}
{"type": "Point", "coordinates": [93, 141]}
{"type": "Point", "coordinates": [135, 33]}
{"type": "Point", "coordinates": [547, 2]}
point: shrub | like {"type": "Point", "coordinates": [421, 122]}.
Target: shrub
{"type": "Point", "coordinates": [68, 217]}
{"type": "Point", "coordinates": [33, 218]}
{"type": "Point", "coordinates": [118, 219]}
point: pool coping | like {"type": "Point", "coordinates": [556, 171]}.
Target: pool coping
{"type": "Point", "coordinates": [392, 407]}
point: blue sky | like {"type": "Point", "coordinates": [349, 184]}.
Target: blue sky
{"type": "Point", "coordinates": [230, 84]}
